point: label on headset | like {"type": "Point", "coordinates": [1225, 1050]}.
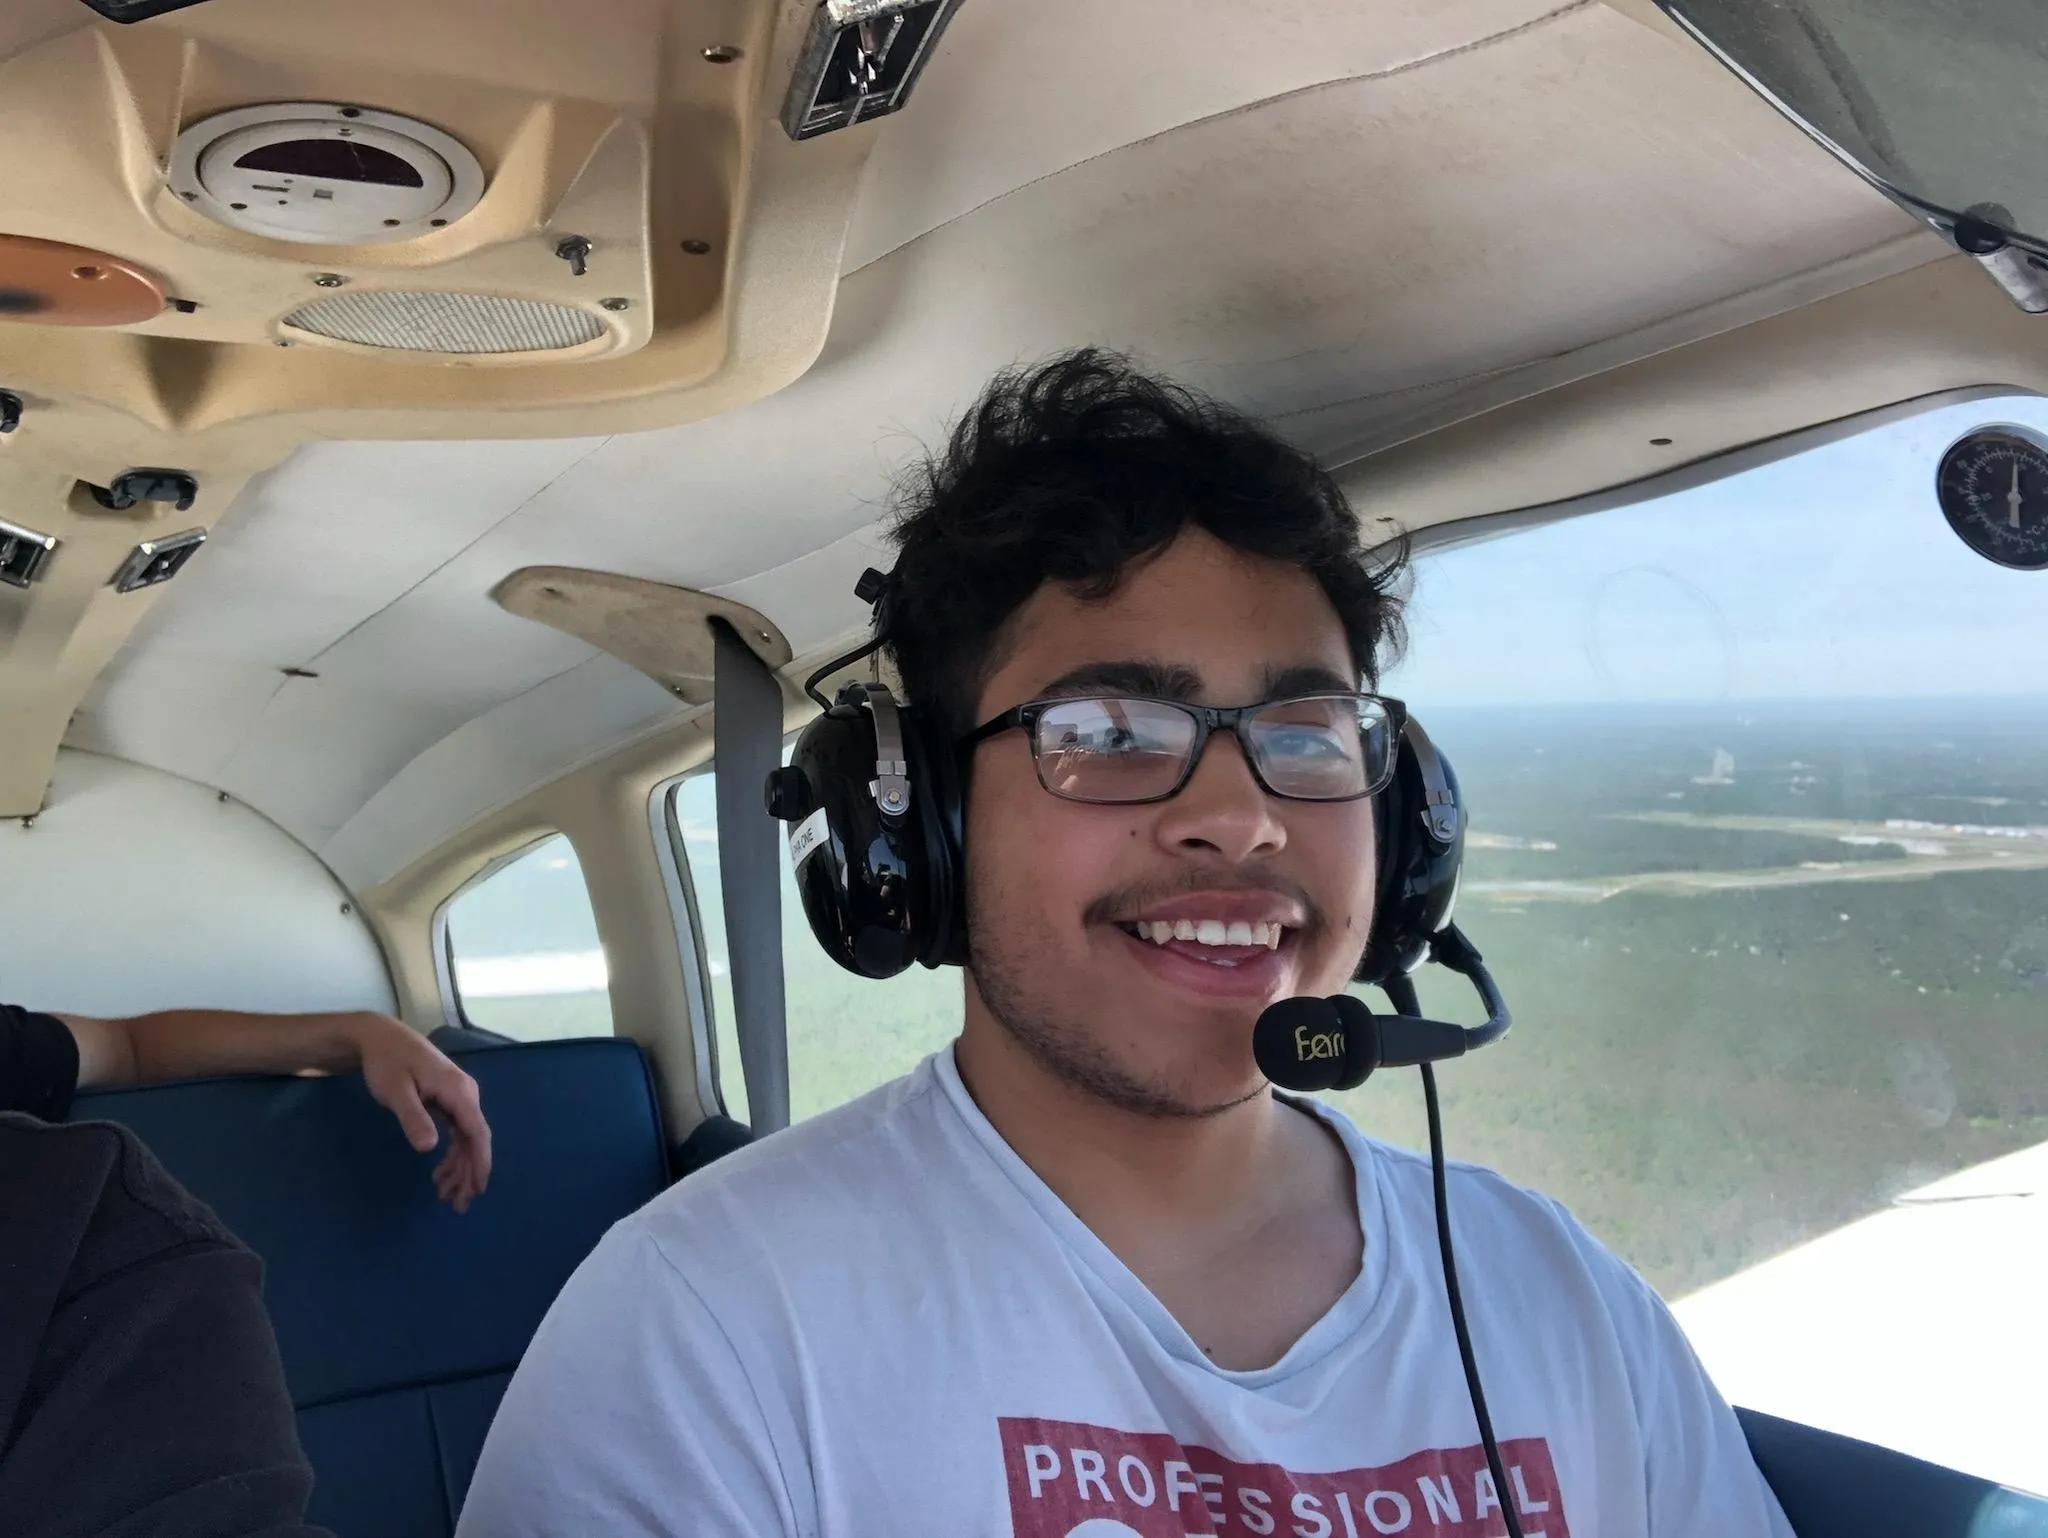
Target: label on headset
{"type": "Point", "coordinates": [806, 836]}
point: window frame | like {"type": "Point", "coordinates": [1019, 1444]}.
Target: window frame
{"type": "Point", "coordinates": [687, 920]}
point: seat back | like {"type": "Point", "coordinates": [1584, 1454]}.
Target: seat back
{"type": "Point", "coordinates": [1836, 1487]}
{"type": "Point", "coordinates": [399, 1321]}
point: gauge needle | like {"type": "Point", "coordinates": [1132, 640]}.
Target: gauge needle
{"type": "Point", "coordinates": [2012, 497]}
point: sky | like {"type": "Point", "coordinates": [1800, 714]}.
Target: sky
{"type": "Point", "coordinates": [1830, 574]}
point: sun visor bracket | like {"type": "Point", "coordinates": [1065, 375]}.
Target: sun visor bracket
{"type": "Point", "coordinates": [659, 629]}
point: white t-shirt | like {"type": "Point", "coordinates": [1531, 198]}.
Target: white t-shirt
{"type": "Point", "coordinates": [880, 1323]}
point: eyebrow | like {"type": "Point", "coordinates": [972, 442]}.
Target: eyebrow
{"type": "Point", "coordinates": [1152, 680]}
{"type": "Point", "coordinates": [1311, 678]}
{"type": "Point", "coordinates": [1170, 681]}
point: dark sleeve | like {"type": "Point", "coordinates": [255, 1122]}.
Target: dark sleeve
{"type": "Point", "coordinates": [150, 1401]}
{"type": "Point", "coordinates": [38, 1063]}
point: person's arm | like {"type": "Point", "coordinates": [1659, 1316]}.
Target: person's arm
{"type": "Point", "coordinates": [404, 1071]}
{"type": "Point", "coordinates": [632, 1415]}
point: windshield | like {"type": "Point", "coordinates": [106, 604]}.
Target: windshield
{"type": "Point", "coordinates": [1943, 101]}
{"type": "Point", "coordinates": [1758, 778]}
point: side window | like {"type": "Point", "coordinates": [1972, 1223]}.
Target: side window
{"type": "Point", "coordinates": [522, 952]}
{"type": "Point", "coordinates": [1758, 780]}
{"type": "Point", "coordinates": [847, 1034]}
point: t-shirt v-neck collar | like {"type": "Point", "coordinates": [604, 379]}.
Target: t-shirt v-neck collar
{"type": "Point", "coordinates": [1352, 1316]}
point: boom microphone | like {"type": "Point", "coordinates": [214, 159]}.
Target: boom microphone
{"type": "Point", "coordinates": [1310, 1044]}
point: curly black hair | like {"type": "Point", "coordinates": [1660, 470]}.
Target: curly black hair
{"type": "Point", "coordinates": [1076, 469]}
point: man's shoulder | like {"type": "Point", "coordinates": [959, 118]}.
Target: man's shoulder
{"type": "Point", "coordinates": [84, 1202]}
{"type": "Point", "coordinates": [838, 1169]}
{"type": "Point", "coordinates": [101, 1174]}
{"type": "Point", "coordinates": [1491, 1214]}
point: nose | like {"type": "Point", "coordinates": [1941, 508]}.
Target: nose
{"type": "Point", "coordinates": [1222, 810]}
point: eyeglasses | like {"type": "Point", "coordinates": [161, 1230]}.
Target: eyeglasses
{"type": "Point", "coordinates": [1121, 750]}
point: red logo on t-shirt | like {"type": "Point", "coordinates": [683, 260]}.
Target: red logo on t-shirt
{"type": "Point", "coordinates": [1069, 1480]}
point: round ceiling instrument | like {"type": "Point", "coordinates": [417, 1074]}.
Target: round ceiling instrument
{"type": "Point", "coordinates": [48, 283]}
{"type": "Point", "coordinates": [1993, 488]}
{"type": "Point", "coordinates": [318, 173]}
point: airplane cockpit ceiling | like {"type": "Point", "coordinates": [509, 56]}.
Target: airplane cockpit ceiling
{"type": "Point", "coordinates": [1483, 254]}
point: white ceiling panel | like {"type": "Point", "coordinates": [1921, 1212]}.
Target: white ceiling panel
{"type": "Point", "coordinates": [1022, 90]}
{"type": "Point", "coordinates": [1380, 232]}
{"type": "Point", "coordinates": [493, 759]}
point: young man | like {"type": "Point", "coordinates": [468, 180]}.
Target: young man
{"type": "Point", "coordinates": [1084, 1274]}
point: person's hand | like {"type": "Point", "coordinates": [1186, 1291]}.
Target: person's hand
{"type": "Point", "coordinates": [406, 1073]}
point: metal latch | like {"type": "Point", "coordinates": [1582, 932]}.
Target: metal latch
{"type": "Point", "coordinates": [157, 560]}
{"type": "Point", "coordinates": [24, 554]}
{"type": "Point", "coordinates": [859, 61]}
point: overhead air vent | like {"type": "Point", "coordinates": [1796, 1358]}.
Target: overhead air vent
{"type": "Point", "coordinates": [465, 325]}
{"type": "Point", "coordinates": [320, 174]}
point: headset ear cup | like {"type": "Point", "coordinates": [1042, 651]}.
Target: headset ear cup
{"type": "Point", "coordinates": [858, 872]}
{"type": "Point", "coordinates": [1418, 867]}
{"type": "Point", "coordinates": [941, 930]}
{"type": "Point", "coordinates": [1390, 824]}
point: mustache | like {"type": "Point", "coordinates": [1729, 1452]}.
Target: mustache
{"type": "Point", "coordinates": [1142, 894]}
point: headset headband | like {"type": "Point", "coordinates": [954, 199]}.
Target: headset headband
{"type": "Point", "coordinates": [891, 786]}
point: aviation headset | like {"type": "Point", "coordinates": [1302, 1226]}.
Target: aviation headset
{"type": "Point", "coordinates": [873, 796]}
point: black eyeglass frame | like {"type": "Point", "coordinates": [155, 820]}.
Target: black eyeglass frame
{"type": "Point", "coordinates": [1209, 720]}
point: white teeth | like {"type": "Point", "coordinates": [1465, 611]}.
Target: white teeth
{"type": "Point", "coordinates": [1211, 932]}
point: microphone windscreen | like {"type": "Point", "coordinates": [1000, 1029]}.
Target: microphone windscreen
{"type": "Point", "coordinates": [1299, 1044]}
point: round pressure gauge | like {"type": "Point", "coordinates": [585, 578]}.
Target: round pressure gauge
{"type": "Point", "coordinates": [1993, 486]}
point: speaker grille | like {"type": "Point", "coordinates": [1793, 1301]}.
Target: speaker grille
{"type": "Point", "coordinates": [446, 323]}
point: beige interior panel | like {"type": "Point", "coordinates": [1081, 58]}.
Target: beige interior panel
{"type": "Point", "coordinates": [1331, 255]}
{"type": "Point", "coordinates": [645, 127]}
{"type": "Point", "coordinates": [606, 122]}
{"type": "Point", "coordinates": [57, 636]}
{"type": "Point", "coordinates": [963, 147]}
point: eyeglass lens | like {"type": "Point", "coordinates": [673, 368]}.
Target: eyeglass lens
{"type": "Point", "coordinates": [1318, 748]}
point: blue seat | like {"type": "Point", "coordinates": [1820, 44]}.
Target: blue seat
{"type": "Point", "coordinates": [1836, 1487]}
{"type": "Point", "coordinates": [399, 1321]}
